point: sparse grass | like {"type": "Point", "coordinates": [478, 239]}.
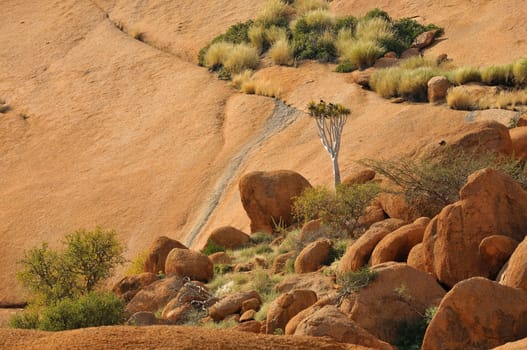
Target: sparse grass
{"type": "Point", "coordinates": [291, 242]}
{"type": "Point", "coordinates": [417, 62]}
{"type": "Point", "coordinates": [281, 53]}
{"type": "Point", "coordinates": [138, 264]}
{"type": "Point", "coordinates": [261, 237]}
{"type": "Point", "coordinates": [274, 12]}
{"type": "Point", "coordinates": [212, 247]}
{"type": "Point", "coordinates": [497, 75]}
{"type": "Point", "coordinates": [519, 70]}
{"type": "Point", "coordinates": [241, 57]}
{"type": "Point", "coordinates": [362, 54]}
{"type": "Point", "coordinates": [344, 40]}
{"type": "Point", "coordinates": [459, 98]}
{"type": "Point", "coordinates": [353, 281]}
{"type": "Point", "coordinates": [320, 19]}
{"type": "Point", "coordinates": [225, 324]}
{"type": "Point", "coordinates": [240, 79]}
{"type": "Point", "coordinates": [464, 75]}
{"type": "Point", "coordinates": [303, 6]}
{"type": "Point", "coordinates": [385, 82]}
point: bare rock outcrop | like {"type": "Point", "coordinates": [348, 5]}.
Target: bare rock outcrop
{"type": "Point", "coordinates": [490, 203]}
{"type": "Point", "coordinates": [398, 294]}
{"type": "Point", "coordinates": [129, 286]}
{"type": "Point", "coordinates": [495, 250]}
{"type": "Point", "coordinates": [312, 257]}
{"type": "Point", "coordinates": [396, 245]}
{"type": "Point", "coordinates": [231, 304]}
{"type": "Point", "coordinates": [157, 253]}
{"type": "Point", "coordinates": [229, 237]}
{"type": "Point", "coordinates": [156, 295]}
{"type": "Point", "coordinates": [267, 197]}
{"type": "Point", "coordinates": [515, 274]}
{"type": "Point", "coordinates": [314, 281]}
{"type": "Point", "coordinates": [358, 254]}
{"type": "Point", "coordinates": [359, 177]}
{"type": "Point", "coordinates": [286, 306]}
{"type": "Point", "coordinates": [478, 314]}
{"type": "Point", "coordinates": [189, 263]}
{"type": "Point", "coordinates": [437, 89]}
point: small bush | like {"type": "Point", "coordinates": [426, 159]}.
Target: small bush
{"type": "Point", "coordinates": [346, 23]}
{"type": "Point", "coordinates": [217, 54]}
{"type": "Point", "coordinates": [407, 29]}
{"type": "Point", "coordinates": [212, 247]}
{"type": "Point", "coordinates": [303, 6]}
{"type": "Point", "coordinates": [460, 98]}
{"type": "Point", "coordinates": [281, 53]}
{"type": "Point", "coordinates": [352, 281]}
{"type": "Point", "coordinates": [464, 75]}
{"type": "Point", "coordinates": [257, 37]}
{"type": "Point", "coordinates": [377, 13]}
{"type": "Point", "coordinates": [497, 75]}
{"type": "Point", "coordinates": [374, 29]}
{"type": "Point", "coordinates": [138, 264]}
{"type": "Point", "coordinates": [519, 70]}
{"type": "Point", "coordinates": [363, 54]}
{"type": "Point", "coordinates": [274, 34]}
{"type": "Point", "coordinates": [345, 67]}
{"type": "Point", "coordinates": [274, 12]}
{"type": "Point", "coordinates": [90, 310]}
{"type": "Point", "coordinates": [413, 85]}
{"type": "Point", "coordinates": [340, 210]}
{"type": "Point", "coordinates": [313, 42]}
{"type": "Point", "coordinates": [336, 251]}
{"type": "Point", "coordinates": [27, 319]}
{"type": "Point", "coordinates": [411, 334]}
{"type": "Point", "coordinates": [240, 58]}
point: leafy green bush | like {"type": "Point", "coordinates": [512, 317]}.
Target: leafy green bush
{"type": "Point", "coordinates": [377, 13]}
{"type": "Point", "coordinates": [345, 67]}
{"type": "Point", "coordinates": [411, 334]}
{"type": "Point", "coordinates": [430, 184]}
{"type": "Point", "coordinates": [339, 210]}
{"type": "Point", "coordinates": [313, 42]}
{"type": "Point", "coordinates": [212, 247]}
{"type": "Point", "coordinates": [27, 319]}
{"type": "Point", "coordinates": [407, 29]}
{"type": "Point", "coordinates": [89, 258]}
{"type": "Point", "coordinates": [90, 310]}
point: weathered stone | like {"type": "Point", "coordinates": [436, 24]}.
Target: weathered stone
{"type": "Point", "coordinates": [424, 39]}
{"type": "Point", "coordinates": [220, 258]}
{"type": "Point", "coordinates": [129, 286]}
{"type": "Point", "coordinates": [437, 89]}
{"type": "Point", "coordinates": [286, 306]}
{"type": "Point", "coordinates": [279, 263]}
{"type": "Point", "coordinates": [515, 274]}
{"type": "Point", "coordinates": [157, 254]}
{"type": "Point", "coordinates": [229, 237]}
{"type": "Point", "coordinates": [249, 326]}
{"type": "Point", "coordinates": [251, 304]}
{"type": "Point", "coordinates": [145, 318]}
{"type": "Point", "coordinates": [495, 250]}
{"type": "Point", "coordinates": [156, 295]}
{"type": "Point", "coordinates": [519, 142]}
{"type": "Point", "coordinates": [359, 177]}
{"type": "Point", "coordinates": [312, 257]}
{"type": "Point", "coordinates": [189, 263]}
{"type": "Point", "coordinates": [411, 52]}
{"type": "Point", "coordinates": [231, 304]}
{"type": "Point", "coordinates": [502, 116]}
{"type": "Point", "coordinates": [314, 281]}
{"type": "Point", "coordinates": [416, 258]}
{"type": "Point", "coordinates": [312, 230]}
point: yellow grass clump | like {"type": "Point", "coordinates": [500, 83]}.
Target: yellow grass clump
{"type": "Point", "coordinates": [519, 70]}
{"type": "Point", "coordinates": [217, 53]}
{"type": "Point", "coordinates": [281, 53]}
{"type": "Point", "coordinates": [241, 57]}
{"type": "Point", "coordinates": [256, 35]}
{"type": "Point", "coordinates": [361, 53]}
{"type": "Point", "coordinates": [242, 78]}
{"type": "Point", "coordinates": [417, 62]}
{"type": "Point", "coordinates": [274, 34]}
{"type": "Point", "coordinates": [273, 12]}
{"type": "Point", "coordinates": [497, 75]}
{"type": "Point", "coordinates": [319, 18]}
{"type": "Point", "coordinates": [303, 6]}
{"type": "Point", "coordinates": [463, 75]}
{"type": "Point", "coordinates": [344, 40]}
{"type": "Point", "coordinates": [460, 98]}
{"type": "Point", "coordinates": [385, 82]}
{"type": "Point", "coordinates": [267, 88]}
{"type": "Point", "coordinates": [374, 29]}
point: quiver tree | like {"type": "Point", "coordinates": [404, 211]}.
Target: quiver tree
{"type": "Point", "coordinates": [330, 119]}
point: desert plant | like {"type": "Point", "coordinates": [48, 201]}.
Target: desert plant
{"type": "Point", "coordinates": [266, 88]}
{"type": "Point", "coordinates": [459, 98]}
{"type": "Point", "coordinates": [261, 237]}
{"type": "Point", "coordinates": [413, 85]}
{"type": "Point", "coordinates": [137, 265]}
{"type": "Point", "coordinates": [303, 6]}
{"type": "Point", "coordinates": [345, 67]}
{"type": "Point", "coordinates": [519, 71]}
{"type": "Point", "coordinates": [374, 29]}
{"type": "Point", "coordinates": [89, 310]}
{"type": "Point", "coordinates": [407, 29]}
{"type": "Point", "coordinates": [212, 247]}
{"type": "Point", "coordinates": [338, 210]}
{"type": "Point", "coordinates": [240, 58]}
{"type": "Point", "coordinates": [362, 53]}
{"type": "Point", "coordinates": [238, 80]}
{"type": "Point", "coordinates": [417, 62]}
{"type": "Point", "coordinates": [313, 42]}
{"type": "Point", "coordinates": [411, 333]}
{"type": "Point", "coordinates": [385, 82]}
{"type": "Point", "coordinates": [236, 34]}
{"type": "Point", "coordinates": [352, 281]}
{"type": "Point", "coordinates": [281, 53]}
{"type": "Point", "coordinates": [330, 119]}
{"type": "Point", "coordinates": [377, 13]}
{"type": "Point", "coordinates": [463, 75]}
{"type": "Point", "coordinates": [320, 20]}
{"type": "Point", "coordinates": [497, 75]}
{"type": "Point", "coordinates": [27, 319]}
{"type": "Point", "coordinates": [274, 12]}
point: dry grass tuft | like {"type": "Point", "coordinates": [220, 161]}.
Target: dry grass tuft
{"type": "Point", "coordinates": [281, 53]}
{"type": "Point", "coordinates": [374, 29]}
{"type": "Point", "coordinates": [218, 53]}
{"type": "Point", "coordinates": [303, 6]}
{"type": "Point", "coordinates": [240, 79]}
{"type": "Point", "coordinates": [274, 12]}
{"type": "Point", "coordinates": [519, 70]}
{"type": "Point", "coordinates": [319, 18]}
{"type": "Point", "coordinates": [385, 82]}
{"type": "Point", "coordinates": [267, 88]}
{"type": "Point", "coordinates": [464, 75]}
{"type": "Point", "coordinates": [256, 36]}
{"type": "Point", "coordinates": [274, 34]}
{"type": "Point", "coordinates": [417, 62]}
{"type": "Point", "coordinates": [497, 75]}
{"type": "Point", "coordinates": [361, 53]}
{"type": "Point", "coordinates": [460, 98]}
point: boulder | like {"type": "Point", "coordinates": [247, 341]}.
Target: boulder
{"type": "Point", "coordinates": [374, 213]}
{"type": "Point", "coordinates": [314, 281]}
{"type": "Point", "coordinates": [515, 274]}
{"type": "Point", "coordinates": [279, 263]}
{"type": "Point", "coordinates": [247, 316]}
{"type": "Point", "coordinates": [231, 304]}
{"type": "Point", "coordinates": [229, 237]}
{"type": "Point", "coordinates": [157, 254]}
{"type": "Point", "coordinates": [399, 294]}
{"type": "Point", "coordinates": [424, 39]}
{"type": "Point", "coordinates": [505, 117]}
{"type": "Point", "coordinates": [249, 326]}
{"type": "Point", "coordinates": [189, 263]}
{"type": "Point", "coordinates": [313, 256]}
{"type": "Point", "coordinates": [519, 142]}
{"type": "Point", "coordinates": [267, 197]}
{"type": "Point", "coordinates": [180, 315]}
{"type": "Point", "coordinates": [362, 77]}
{"type": "Point", "coordinates": [145, 318]}
{"type": "Point", "coordinates": [490, 203]}
{"type": "Point", "coordinates": [395, 206]}
{"type": "Point", "coordinates": [411, 52]}
{"type": "Point", "coordinates": [220, 258]}
{"type": "Point", "coordinates": [286, 306]}
{"type": "Point", "coordinates": [437, 89]}
{"type": "Point", "coordinates": [290, 328]}
{"type": "Point", "coordinates": [396, 245]}
{"type": "Point", "coordinates": [386, 62]}
{"type": "Point", "coordinates": [129, 286]}
{"type": "Point", "coordinates": [416, 258]}
{"type": "Point", "coordinates": [478, 314]}
{"type": "Point", "coordinates": [251, 304]}
{"type": "Point", "coordinates": [330, 322]}
{"type": "Point", "coordinates": [495, 250]}
{"type": "Point", "coordinates": [156, 295]}
{"type": "Point", "coordinates": [359, 177]}
{"type": "Point", "coordinates": [358, 253]}
{"type": "Point", "coordinates": [311, 231]}
{"type": "Point", "coordinates": [191, 293]}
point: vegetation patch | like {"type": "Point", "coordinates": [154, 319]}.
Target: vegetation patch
{"type": "Point", "coordinates": [352, 281]}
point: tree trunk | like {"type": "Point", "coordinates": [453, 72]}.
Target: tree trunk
{"type": "Point", "coordinates": [336, 170]}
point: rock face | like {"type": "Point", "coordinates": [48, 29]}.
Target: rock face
{"type": "Point", "coordinates": [229, 237]}
{"type": "Point", "coordinates": [330, 322]}
{"type": "Point", "coordinates": [495, 251]}
{"type": "Point", "coordinates": [314, 281]}
{"type": "Point", "coordinates": [437, 89]}
{"type": "Point", "coordinates": [424, 39]}
{"type": "Point", "coordinates": [358, 253]}
{"type": "Point", "coordinates": [287, 306]}
{"type": "Point", "coordinates": [396, 245]}
{"type": "Point", "coordinates": [268, 196]}
{"type": "Point", "coordinates": [312, 257]}
{"type": "Point", "coordinates": [490, 203]}
{"type": "Point", "coordinates": [360, 177]}
{"type": "Point", "coordinates": [311, 231]}
{"type": "Point", "coordinates": [478, 314]}
{"type": "Point", "coordinates": [155, 296]}
{"type": "Point", "coordinates": [398, 294]}
{"type": "Point", "coordinates": [249, 326]}
{"type": "Point", "coordinates": [190, 292]}
{"type": "Point", "coordinates": [482, 136]}
{"type": "Point", "coordinates": [416, 258]}
{"type": "Point", "coordinates": [157, 253]}
{"type": "Point", "coordinates": [231, 304]}
{"type": "Point", "coordinates": [145, 318]}
{"type": "Point", "coordinates": [189, 263]}
{"type": "Point", "coordinates": [519, 142]}
{"type": "Point", "coordinates": [505, 117]}
{"type": "Point", "coordinates": [515, 274]}
{"type": "Point", "coordinates": [129, 286]}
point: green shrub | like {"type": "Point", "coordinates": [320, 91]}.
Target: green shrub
{"type": "Point", "coordinates": [430, 184]}
{"type": "Point", "coordinates": [336, 251]}
{"type": "Point", "coordinates": [27, 319]}
{"type": "Point", "coordinates": [345, 67]}
{"type": "Point", "coordinates": [340, 210]}
{"type": "Point", "coordinates": [411, 334]}
{"type": "Point", "coordinates": [407, 29]}
{"type": "Point", "coordinates": [212, 247]}
{"type": "Point", "coordinates": [352, 281]}
{"type": "Point", "coordinates": [312, 42]}
{"type": "Point", "coordinates": [377, 13]}
{"type": "Point", "coordinates": [89, 258]}
{"type": "Point", "coordinates": [222, 269]}
{"type": "Point", "coordinates": [90, 310]}
{"type": "Point", "coordinates": [346, 22]}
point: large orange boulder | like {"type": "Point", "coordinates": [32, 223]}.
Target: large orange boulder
{"type": "Point", "coordinates": [416, 258]}
{"type": "Point", "coordinates": [399, 294]}
{"type": "Point", "coordinates": [519, 142]}
{"type": "Point", "coordinates": [495, 250]}
{"type": "Point", "coordinates": [515, 345]}
{"type": "Point", "coordinates": [287, 306]}
{"type": "Point", "coordinates": [313, 256]}
{"type": "Point", "coordinates": [358, 254]}
{"type": "Point", "coordinates": [229, 237]}
{"type": "Point", "coordinates": [129, 286]}
{"type": "Point", "coordinates": [314, 281]}
{"type": "Point", "coordinates": [192, 294]}
{"type": "Point", "coordinates": [267, 197]}
{"type": "Point", "coordinates": [490, 203]}
{"type": "Point", "coordinates": [359, 177]}
{"type": "Point", "coordinates": [156, 295]}
{"type": "Point", "coordinates": [515, 274]}
{"type": "Point", "coordinates": [328, 321]}
{"type": "Point", "coordinates": [231, 304]}
{"type": "Point", "coordinates": [478, 314]}
{"type": "Point", "coordinates": [396, 245]}
{"type": "Point", "coordinates": [312, 230]}
{"type": "Point", "coordinates": [189, 263]}
{"type": "Point", "coordinates": [157, 253]}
